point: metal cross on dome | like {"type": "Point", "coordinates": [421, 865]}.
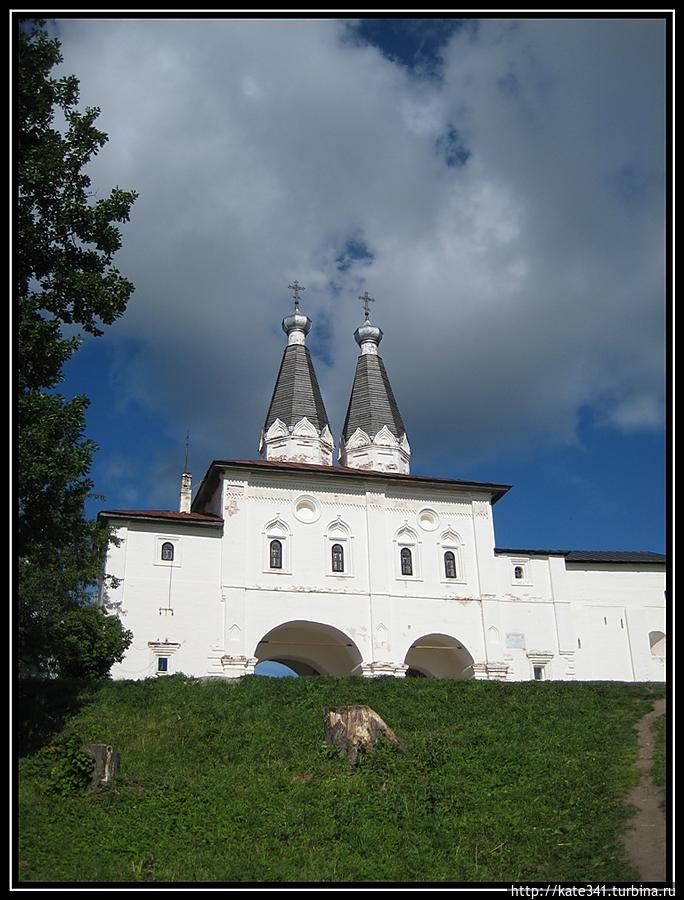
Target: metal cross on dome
{"type": "Point", "coordinates": [366, 300]}
{"type": "Point", "coordinates": [296, 287]}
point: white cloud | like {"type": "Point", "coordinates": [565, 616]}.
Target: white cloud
{"type": "Point", "coordinates": [511, 289]}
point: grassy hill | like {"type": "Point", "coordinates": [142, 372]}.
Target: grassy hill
{"type": "Point", "coordinates": [231, 782]}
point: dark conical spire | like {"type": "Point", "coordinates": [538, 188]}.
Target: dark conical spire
{"type": "Point", "coordinates": [296, 393]}
{"type": "Point", "coordinates": [296, 426]}
{"type": "Point", "coordinates": [372, 405]}
{"type": "Point", "coordinates": [374, 435]}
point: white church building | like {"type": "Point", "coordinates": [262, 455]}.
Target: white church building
{"type": "Point", "coordinates": [362, 568]}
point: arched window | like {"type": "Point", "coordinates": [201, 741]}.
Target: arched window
{"type": "Point", "coordinates": [406, 561]}
{"type": "Point", "coordinates": [167, 551]}
{"type": "Point", "coordinates": [337, 553]}
{"type": "Point", "coordinates": [518, 573]}
{"type": "Point", "coordinates": [276, 555]}
{"type": "Point", "coordinates": [450, 564]}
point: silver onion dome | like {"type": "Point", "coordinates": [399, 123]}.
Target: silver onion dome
{"type": "Point", "coordinates": [368, 332]}
{"type": "Point", "coordinates": [296, 321]}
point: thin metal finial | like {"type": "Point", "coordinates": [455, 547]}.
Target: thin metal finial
{"type": "Point", "coordinates": [366, 300]}
{"type": "Point", "coordinates": [296, 287]}
{"type": "Point", "coordinates": [187, 449]}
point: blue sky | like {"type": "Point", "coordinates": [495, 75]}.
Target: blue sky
{"type": "Point", "coordinates": [497, 186]}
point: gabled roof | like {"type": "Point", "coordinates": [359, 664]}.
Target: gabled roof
{"type": "Point", "coordinates": [296, 393]}
{"type": "Point", "coordinates": [372, 404]}
{"type": "Point", "coordinates": [595, 556]}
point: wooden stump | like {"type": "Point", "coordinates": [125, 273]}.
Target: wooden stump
{"type": "Point", "coordinates": [356, 729]}
{"type": "Point", "coordinates": [106, 763]}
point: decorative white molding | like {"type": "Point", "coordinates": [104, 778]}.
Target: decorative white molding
{"type": "Point", "coordinates": [490, 671]}
{"type": "Point", "coordinates": [277, 430]}
{"type": "Point", "coordinates": [377, 668]}
{"type": "Point", "coordinates": [428, 519]}
{"type": "Point", "coordinates": [358, 439]}
{"type": "Point", "coordinates": [451, 541]}
{"type": "Point", "coordinates": [306, 509]}
{"type": "Point", "coordinates": [385, 438]}
{"type": "Point", "coordinates": [497, 671]}
{"type": "Point", "coordinates": [304, 428]}
{"type": "Point", "coordinates": [237, 666]}
{"type": "Point", "coordinates": [541, 658]}
{"type": "Point", "coordinates": [481, 508]}
{"type": "Point", "coordinates": [277, 529]}
{"type": "Point", "coordinates": [385, 453]}
{"type": "Point", "coordinates": [301, 443]}
{"type": "Point", "coordinates": [480, 671]}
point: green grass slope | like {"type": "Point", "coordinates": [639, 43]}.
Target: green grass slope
{"type": "Point", "coordinates": [231, 782]}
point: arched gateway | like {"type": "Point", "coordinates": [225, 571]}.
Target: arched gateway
{"type": "Point", "coordinates": [438, 656]}
{"type": "Point", "coordinates": [310, 648]}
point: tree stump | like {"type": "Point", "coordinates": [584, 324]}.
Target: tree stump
{"type": "Point", "coordinates": [356, 729]}
{"type": "Point", "coordinates": [106, 763]}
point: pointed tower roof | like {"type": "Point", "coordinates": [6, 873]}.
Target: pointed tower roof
{"type": "Point", "coordinates": [296, 425]}
{"type": "Point", "coordinates": [296, 393]}
{"type": "Point", "coordinates": [373, 435]}
{"type": "Point", "coordinates": [372, 405]}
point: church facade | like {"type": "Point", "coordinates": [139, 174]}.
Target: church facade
{"type": "Point", "coordinates": [362, 568]}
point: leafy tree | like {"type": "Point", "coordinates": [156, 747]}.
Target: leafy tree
{"type": "Point", "coordinates": [64, 247]}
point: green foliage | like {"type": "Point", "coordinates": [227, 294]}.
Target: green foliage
{"type": "Point", "coordinates": [229, 782]}
{"type": "Point", "coordinates": [64, 245]}
{"type": "Point", "coordinates": [71, 773]}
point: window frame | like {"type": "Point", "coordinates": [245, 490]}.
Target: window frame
{"type": "Point", "coordinates": [406, 538]}
{"type": "Point", "coordinates": [451, 542]}
{"type": "Point", "coordinates": [338, 532]}
{"type": "Point", "coordinates": [524, 566]}
{"type": "Point", "coordinates": [162, 650]}
{"type": "Point", "coordinates": [176, 542]}
{"type": "Point", "coordinates": [277, 530]}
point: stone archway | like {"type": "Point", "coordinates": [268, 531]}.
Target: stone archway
{"type": "Point", "coordinates": [310, 648]}
{"type": "Point", "coordinates": [438, 656]}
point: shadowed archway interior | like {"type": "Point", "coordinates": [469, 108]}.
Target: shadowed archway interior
{"type": "Point", "coordinates": [439, 656]}
{"type": "Point", "coordinates": [310, 648]}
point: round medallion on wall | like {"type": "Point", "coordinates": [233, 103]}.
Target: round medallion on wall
{"type": "Point", "coordinates": [306, 509]}
{"type": "Point", "coordinates": [428, 519]}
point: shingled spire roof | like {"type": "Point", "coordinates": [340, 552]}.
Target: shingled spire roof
{"type": "Point", "coordinates": [372, 404]}
{"type": "Point", "coordinates": [374, 435]}
{"type": "Point", "coordinates": [296, 426]}
{"type": "Point", "coordinates": [296, 393]}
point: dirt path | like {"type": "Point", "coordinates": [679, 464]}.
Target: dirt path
{"type": "Point", "coordinates": [645, 842]}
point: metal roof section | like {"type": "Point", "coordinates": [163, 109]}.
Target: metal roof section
{"type": "Point", "coordinates": [189, 518]}
{"type": "Point", "coordinates": [594, 556]}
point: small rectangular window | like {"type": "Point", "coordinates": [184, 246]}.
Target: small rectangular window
{"type": "Point", "coordinates": [162, 664]}
{"type": "Point", "coordinates": [538, 673]}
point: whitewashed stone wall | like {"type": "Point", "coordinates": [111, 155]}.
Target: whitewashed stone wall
{"type": "Point", "coordinates": [209, 610]}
